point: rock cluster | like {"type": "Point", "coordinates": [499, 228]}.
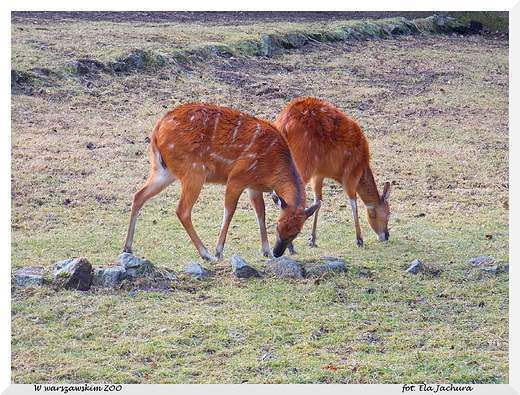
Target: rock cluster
{"type": "Point", "coordinates": [79, 274]}
{"type": "Point", "coordinates": [287, 268]}
{"type": "Point", "coordinates": [196, 271]}
{"type": "Point", "coordinates": [483, 264]}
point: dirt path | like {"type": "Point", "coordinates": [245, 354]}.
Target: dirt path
{"type": "Point", "coordinates": [214, 17]}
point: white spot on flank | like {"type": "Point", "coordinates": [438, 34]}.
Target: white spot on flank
{"type": "Point", "coordinates": [257, 132]}
{"type": "Point", "coordinates": [235, 132]}
{"type": "Point", "coordinates": [258, 128]}
{"type": "Point", "coordinates": [171, 146]}
{"type": "Point", "coordinates": [216, 122]}
{"type": "Point", "coordinates": [221, 158]}
{"type": "Point", "coordinates": [253, 165]}
{"type": "Point", "coordinates": [270, 146]}
{"type": "Point", "coordinates": [192, 117]}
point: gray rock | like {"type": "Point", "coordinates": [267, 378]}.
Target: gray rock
{"type": "Point", "coordinates": [332, 265]}
{"type": "Point", "coordinates": [196, 271]}
{"type": "Point", "coordinates": [78, 67]}
{"type": "Point", "coordinates": [490, 269]}
{"type": "Point", "coordinates": [242, 269]}
{"type": "Point", "coordinates": [267, 45]}
{"type": "Point", "coordinates": [136, 60]}
{"type": "Point", "coordinates": [61, 264]}
{"type": "Point", "coordinates": [415, 267]}
{"type": "Point", "coordinates": [332, 259]}
{"type": "Point", "coordinates": [485, 264]}
{"type": "Point", "coordinates": [28, 276]}
{"type": "Point", "coordinates": [108, 276]}
{"type": "Point", "coordinates": [285, 267]}
{"type": "Point", "coordinates": [119, 65]}
{"type": "Point", "coordinates": [74, 273]}
{"type": "Point", "coordinates": [506, 267]}
{"type": "Point", "coordinates": [482, 260]}
{"type": "Point", "coordinates": [294, 40]}
{"type": "Point", "coordinates": [132, 264]}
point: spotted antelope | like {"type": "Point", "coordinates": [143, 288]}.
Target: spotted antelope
{"type": "Point", "coordinates": [325, 143]}
{"type": "Point", "coordinates": [200, 143]}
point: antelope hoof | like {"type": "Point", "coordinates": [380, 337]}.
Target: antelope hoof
{"type": "Point", "coordinates": [269, 254]}
{"type": "Point", "coordinates": [207, 257]}
{"type": "Point", "coordinates": [291, 249]}
{"type": "Point", "coordinates": [311, 241]}
{"type": "Point", "coordinates": [360, 243]}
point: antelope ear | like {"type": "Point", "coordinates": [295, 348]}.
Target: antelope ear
{"type": "Point", "coordinates": [311, 210]}
{"type": "Point", "coordinates": [386, 192]}
{"type": "Point", "coordinates": [279, 201]}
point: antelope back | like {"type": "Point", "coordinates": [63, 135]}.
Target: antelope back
{"type": "Point", "coordinates": [323, 140]}
{"type": "Point", "coordinates": [222, 142]}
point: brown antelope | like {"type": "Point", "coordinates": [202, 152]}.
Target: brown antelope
{"type": "Point", "coordinates": [325, 143]}
{"type": "Point", "coordinates": [200, 143]}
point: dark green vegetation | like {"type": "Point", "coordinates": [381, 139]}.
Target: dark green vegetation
{"type": "Point", "coordinates": [435, 110]}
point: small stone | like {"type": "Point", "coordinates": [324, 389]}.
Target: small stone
{"type": "Point", "coordinates": [78, 67]}
{"type": "Point", "coordinates": [131, 263]}
{"type": "Point", "coordinates": [285, 267]}
{"type": "Point", "coordinates": [74, 273]}
{"type": "Point", "coordinates": [28, 276]}
{"type": "Point", "coordinates": [415, 267]}
{"type": "Point", "coordinates": [242, 269]}
{"type": "Point", "coordinates": [196, 271]}
{"type": "Point", "coordinates": [490, 269]}
{"type": "Point", "coordinates": [108, 276]}
{"type": "Point", "coordinates": [482, 260]}
{"type": "Point", "coordinates": [335, 265]}
{"type": "Point", "coordinates": [267, 46]}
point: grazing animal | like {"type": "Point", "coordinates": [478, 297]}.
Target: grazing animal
{"type": "Point", "coordinates": [200, 143]}
{"type": "Point", "coordinates": [325, 143]}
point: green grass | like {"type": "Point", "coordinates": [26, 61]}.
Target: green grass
{"type": "Point", "coordinates": [435, 110]}
{"type": "Point", "coordinates": [274, 331]}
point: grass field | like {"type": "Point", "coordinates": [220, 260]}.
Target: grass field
{"type": "Point", "coordinates": [435, 111]}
